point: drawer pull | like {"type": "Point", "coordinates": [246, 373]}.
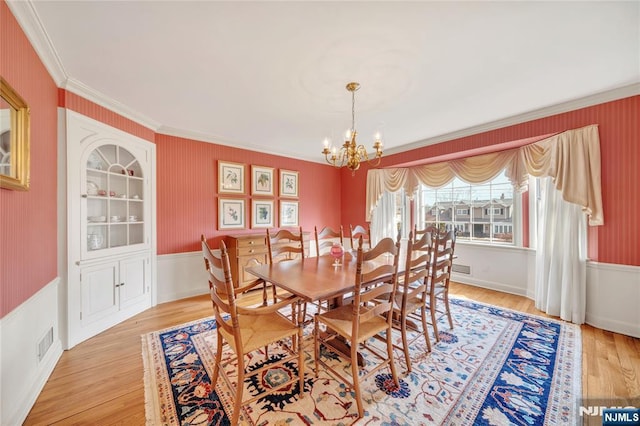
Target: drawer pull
{"type": "Point", "coordinates": [250, 251]}
{"type": "Point", "coordinates": [251, 242]}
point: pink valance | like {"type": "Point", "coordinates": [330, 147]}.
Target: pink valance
{"type": "Point", "coordinates": [571, 158]}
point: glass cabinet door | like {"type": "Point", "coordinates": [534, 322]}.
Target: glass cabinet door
{"type": "Point", "coordinates": [114, 212]}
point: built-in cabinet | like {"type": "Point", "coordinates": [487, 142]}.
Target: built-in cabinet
{"type": "Point", "coordinates": [110, 226]}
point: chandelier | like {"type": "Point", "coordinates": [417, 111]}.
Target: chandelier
{"type": "Point", "coordinates": [351, 154]}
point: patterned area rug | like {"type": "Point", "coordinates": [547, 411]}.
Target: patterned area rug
{"type": "Point", "coordinates": [495, 367]}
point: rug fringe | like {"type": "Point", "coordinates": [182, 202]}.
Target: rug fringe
{"type": "Point", "coordinates": [151, 403]}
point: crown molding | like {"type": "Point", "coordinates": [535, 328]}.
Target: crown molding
{"type": "Point", "coordinates": [105, 101]}
{"type": "Point", "coordinates": [587, 101]}
{"type": "Point", "coordinates": [26, 15]}
{"type": "Point", "coordinates": [203, 137]}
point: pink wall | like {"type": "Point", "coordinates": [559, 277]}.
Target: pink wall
{"type": "Point", "coordinates": [28, 220]}
{"type": "Point", "coordinates": [619, 129]}
{"type": "Point", "coordinates": [188, 199]}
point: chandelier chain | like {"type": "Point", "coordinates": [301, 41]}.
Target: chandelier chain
{"type": "Point", "coordinates": [353, 111]}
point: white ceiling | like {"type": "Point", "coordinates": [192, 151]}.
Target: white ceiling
{"type": "Point", "coordinates": [271, 76]}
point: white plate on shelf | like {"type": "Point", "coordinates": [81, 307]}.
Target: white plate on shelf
{"type": "Point", "coordinates": [97, 219]}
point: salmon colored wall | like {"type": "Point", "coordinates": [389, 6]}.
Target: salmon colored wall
{"type": "Point", "coordinates": [28, 220]}
{"type": "Point", "coordinates": [615, 242]}
{"type": "Point", "coordinates": [188, 199]}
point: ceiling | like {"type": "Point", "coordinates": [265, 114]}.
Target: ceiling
{"type": "Point", "coordinates": [271, 76]}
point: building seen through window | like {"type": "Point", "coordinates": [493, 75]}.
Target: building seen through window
{"type": "Point", "coordinates": [478, 212]}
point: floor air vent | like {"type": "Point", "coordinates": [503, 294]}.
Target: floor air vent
{"type": "Point", "coordinates": [461, 269]}
{"type": "Point", "coordinates": [45, 344]}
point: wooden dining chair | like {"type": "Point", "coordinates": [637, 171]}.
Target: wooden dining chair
{"type": "Point", "coordinates": [325, 239]}
{"type": "Point", "coordinates": [440, 277]}
{"type": "Point", "coordinates": [209, 259]}
{"type": "Point", "coordinates": [418, 233]}
{"type": "Point", "coordinates": [246, 331]}
{"type": "Point", "coordinates": [359, 231]}
{"type": "Point", "coordinates": [362, 319]}
{"type": "Point", "coordinates": [285, 245]}
{"type": "Point", "coordinates": [410, 303]}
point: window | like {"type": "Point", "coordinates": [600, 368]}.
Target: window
{"type": "Point", "coordinates": [482, 212]}
{"type": "Point", "coordinates": [496, 211]}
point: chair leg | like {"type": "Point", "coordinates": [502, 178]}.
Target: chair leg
{"type": "Point", "coordinates": [425, 330]}
{"type": "Point", "coordinates": [434, 321]}
{"type": "Point", "coordinates": [239, 389]}
{"type": "Point", "coordinates": [445, 298]}
{"type": "Point", "coordinates": [405, 344]}
{"type": "Point", "coordinates": [356, 378]}
{"type": "Point", "coordinates": [392, 364]}
{"type": "Point", "coordinates": [316, 342]}
{"type": "Point", "coordinates": [216, 367]}
{"type": "Point", "coordinates": [300, 361]}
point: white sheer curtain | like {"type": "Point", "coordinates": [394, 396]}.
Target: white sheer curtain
{"type": "Point", "coordinates": [561, 261]}
{"type": "Point", "coordinates": [383, 222]}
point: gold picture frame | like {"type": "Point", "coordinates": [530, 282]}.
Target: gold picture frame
{"type": "Point", "coordinates": [261, 180]}
{"type": "Point", "coordinates": [289, 213]}
{"type": "Point", "coordinates": [230, 178]}
{"type": "Point", "coordinates": [231, 213]}
{"type": "Point", "coordinates": [288, 183]}
{"type": "Point", "coordinates": [14, 139]}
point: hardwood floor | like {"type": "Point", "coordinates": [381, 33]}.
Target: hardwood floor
{"type": "Point", "coordinates": [100, 381]}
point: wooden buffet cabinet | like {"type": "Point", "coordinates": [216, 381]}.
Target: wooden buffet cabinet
{"type": "Point", "coordinates": [244, 248]}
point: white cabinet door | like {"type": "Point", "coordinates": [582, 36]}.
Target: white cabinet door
{"type": "Point", "coordinates": [134, 281]}
{"type": "Point", "coordinates": [99, 295]}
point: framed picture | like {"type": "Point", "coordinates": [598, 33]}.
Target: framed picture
{"type": "Point", "coordinates": [261, 180]}
{"type": "Point", "coordinates": [262, 214]}
{"type": "Point", "coordinates": [14, 139]}
{"type": "Point", "coordinates": [230, 178]}
{"type": "Point", "coordinates": [288, 183]}
{"type": "Point", "coordinates": [231, 213]}
{"type": "Point", "coordinates": [288, 213]}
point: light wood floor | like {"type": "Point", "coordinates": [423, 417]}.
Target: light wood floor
{"type": "Point", "coordinates": [100, 382]}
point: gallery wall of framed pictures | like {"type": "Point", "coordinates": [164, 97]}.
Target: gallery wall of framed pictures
{"type": "Point", "coordinates": [269, 200]}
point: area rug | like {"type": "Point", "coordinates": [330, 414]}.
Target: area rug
{"type": "Point", "coordinates": [495, 367]}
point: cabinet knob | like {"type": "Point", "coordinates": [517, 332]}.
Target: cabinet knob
{"type": "Point", "coordinates": [250, 242]}
{"type": "Point", "coordinates": [84, 195]}
{"type": "Point", "coordinates": [250, 251]}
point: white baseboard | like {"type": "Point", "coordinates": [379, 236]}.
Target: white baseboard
{"type": "Point", "coordinates": [22, 375]}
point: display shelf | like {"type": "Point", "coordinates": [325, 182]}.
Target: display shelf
{"type": "Point", "coordinates": [114, 193]}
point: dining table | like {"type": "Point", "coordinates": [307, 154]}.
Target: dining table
{"type": "Point", "coordinates": [315, 279]}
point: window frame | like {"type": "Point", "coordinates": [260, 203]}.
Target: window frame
{"type": "Point", "coordinates": [515, 214]}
